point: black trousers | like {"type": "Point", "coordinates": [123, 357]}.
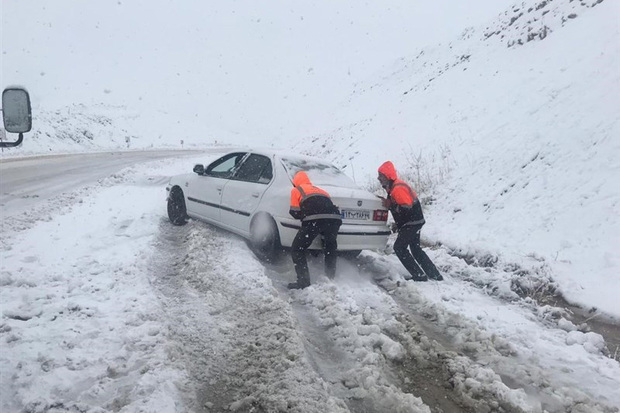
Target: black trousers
{"type": "Point", "coordinates": [307, 233]}
{"type": "Point", "coordinates": [416, 262]}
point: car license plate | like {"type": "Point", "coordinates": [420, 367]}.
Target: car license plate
{"type": "Point", "coordinates": [359, 214]}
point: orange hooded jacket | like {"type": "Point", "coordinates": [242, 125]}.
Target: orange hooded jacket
{"type": "Point", "coordinates": [405, 206]}
{"type": "Point", "coordinates": [310, 202]}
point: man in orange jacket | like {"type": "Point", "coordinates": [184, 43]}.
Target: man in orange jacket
{"type": "Point", "coordinates": [406, 209]}
{"type": "Point", "coordinates": [318, 215]}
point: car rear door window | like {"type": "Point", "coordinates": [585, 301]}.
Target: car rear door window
{"type": "Point", "coordinates": [256, 168]}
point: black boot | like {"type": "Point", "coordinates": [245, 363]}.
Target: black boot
{"type": "Point", "coordinates": [425, 263]}
{"type": "Point", "coordinates": [437, 277]}
{"type": "Point", "coordinates": [298, 286]}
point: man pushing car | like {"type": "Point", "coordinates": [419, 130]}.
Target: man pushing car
{"type": "Point", "coordinates": [318, 214]}
{"type": "Point", "coordinates": [406, 209]}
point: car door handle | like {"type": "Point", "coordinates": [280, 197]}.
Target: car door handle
{"type": "Point", "coordinates": [255, 194]}
{"type": "Point", "coordinates": [219, 189]}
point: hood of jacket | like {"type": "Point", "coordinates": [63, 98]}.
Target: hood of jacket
{"type": "Point", "coordinates": [301, 178]}
{"type": "Point", "coordinates": [388, 170]}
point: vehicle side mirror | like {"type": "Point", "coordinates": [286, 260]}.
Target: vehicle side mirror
{"type": "Point", "coordinates": [16, 113]}
{"type": "Point", "coordinates": [199, 169]}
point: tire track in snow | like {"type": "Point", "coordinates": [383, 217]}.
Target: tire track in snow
{"type": "Point", "coordinates": [359, 318]}
{"type": "Point", "coordinates": [251, 370]}
{"type": "Point", "coordinates": [421, 365]}
{"type": "Point", "coordinates": [238, 337]}
{"type": "Point", "coordinates": [437, 362]}
{"type": "Point", "coordinates": [357, 373]}
{"type": "Point", "coordinates": [198, 344]}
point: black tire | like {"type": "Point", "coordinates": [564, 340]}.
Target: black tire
{"type": "Point", "coordinates": [265, 238]}
{"type": "Point", "coordinates": [350, 254]}
{"type": "Point", "coordinates": [177, 212]}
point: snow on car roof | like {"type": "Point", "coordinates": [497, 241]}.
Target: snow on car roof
{"type": "Point", "coordinates": [281, 153]}
{"type": "Point", "coordinates": [320, 171]}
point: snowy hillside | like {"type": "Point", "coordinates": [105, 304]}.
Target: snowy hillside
{"type": "Point", "coordinates": [102, 127]}
{"type": "Point", "coordinates": [515, 128]}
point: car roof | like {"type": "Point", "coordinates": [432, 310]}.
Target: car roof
{"type": "Point", "coordinates": [282, 153]}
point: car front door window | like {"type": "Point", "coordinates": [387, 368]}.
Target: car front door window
{"type": "Point", "coordinates": [243, 193]}
{"type": "Point", "coordinates": [225, 166]}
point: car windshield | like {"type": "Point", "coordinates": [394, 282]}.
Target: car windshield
{"type": "Point", "coordinates": [319, 173]}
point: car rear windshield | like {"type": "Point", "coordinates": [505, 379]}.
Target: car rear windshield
{"type": "Point", "coordinates": [319, 173]}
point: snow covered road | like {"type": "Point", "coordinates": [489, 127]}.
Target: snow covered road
{"type": "Point", "coordinates": [29, 181]}
{"type": "Point", "coordinates": [107, 307]}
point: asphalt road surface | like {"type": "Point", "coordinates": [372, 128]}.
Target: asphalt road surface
{"type": "Point", "coordinates": [26, 182]}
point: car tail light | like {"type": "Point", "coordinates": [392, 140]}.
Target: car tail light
{"type": "Point", "coordinates": [380, 215]}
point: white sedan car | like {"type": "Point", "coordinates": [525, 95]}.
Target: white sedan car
{"type": "Point", "coordinates": [248, 193]}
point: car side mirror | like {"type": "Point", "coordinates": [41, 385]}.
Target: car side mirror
{"type": "Point", "coordinates": [16, 113]}
{"type": "Point", "coordinates": [199, 169]}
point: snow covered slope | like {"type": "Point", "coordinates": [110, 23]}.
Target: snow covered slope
{"type": "Point", "coordinates": [517, 125]}
{"type": "Point", "coordinates": [83, 127]}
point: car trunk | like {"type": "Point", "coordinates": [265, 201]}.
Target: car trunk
{"type": "Point", "coordinates": [356, 205]}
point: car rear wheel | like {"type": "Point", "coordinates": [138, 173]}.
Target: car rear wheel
{"type": "Point", "coordinates": [265, 238]}
{"type": "Point", "coordinates": [177, 213]}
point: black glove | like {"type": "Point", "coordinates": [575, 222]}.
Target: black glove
{"type": "Point", "coordinates": [386, 202]}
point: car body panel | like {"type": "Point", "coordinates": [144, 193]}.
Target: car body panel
{"type": "Point", "coordinates": [203, 196]}
{"type": "Point", "coordinates": [240, 201]}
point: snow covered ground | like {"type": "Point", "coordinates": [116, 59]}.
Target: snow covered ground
{"type": "Point", "coordinates": [509, 130]}
{"type": "Point", "coordinates": [129, 313]}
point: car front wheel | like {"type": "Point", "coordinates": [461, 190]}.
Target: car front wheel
{"type": "Point", "coordinates": [177, 213]}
